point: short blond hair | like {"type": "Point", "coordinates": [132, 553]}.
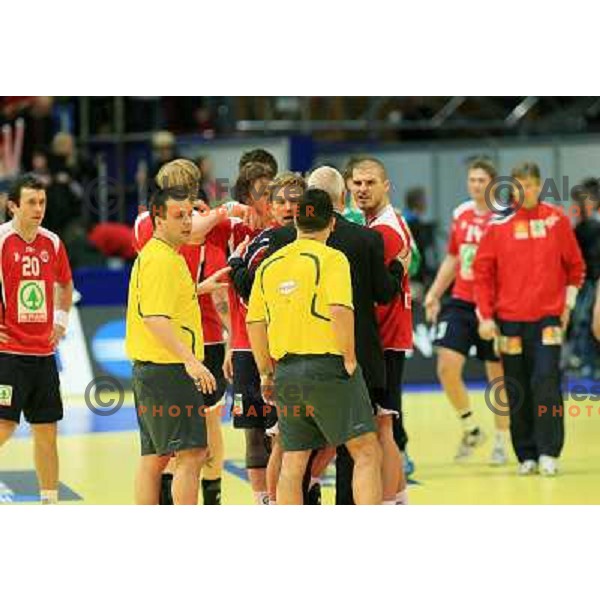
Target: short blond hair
{"type": "Point", "coordinates": [182, 173]}
{"type": "Point", "coordinates": [287, 179]}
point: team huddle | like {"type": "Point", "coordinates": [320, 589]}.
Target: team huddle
{"type": "Point", "coordinates": [308, 315]}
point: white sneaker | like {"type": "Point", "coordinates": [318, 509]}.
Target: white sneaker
{"type": "Point", "coordinates": [470, 440]}
{"type": "Point", "coordinates": [528, 467]}
{"type": "Point", "coordinates": [499, 455]}
{"type": "Point", "coordinates": [548, 466]}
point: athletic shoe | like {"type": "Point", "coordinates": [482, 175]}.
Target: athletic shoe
{"type": "Point", "coordinates": [470, 440]}
{"type": "Point", "coordinates": [314, 495]}
{"type": "Point", "coordinates": [499, 455]}
{"type": "Point", "coordinates": [548, 466]}
{"type": "Point", "coordinates": [528, 467]}
{"type": "Point", "coordinates": [409, 465]}
{"type": "Point", "coordinates": [166, 495]}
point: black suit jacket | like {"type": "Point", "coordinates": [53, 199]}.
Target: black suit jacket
{"type": "Point", "coordinates": [372, 283]}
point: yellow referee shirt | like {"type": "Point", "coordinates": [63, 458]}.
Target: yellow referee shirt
{"type": "Point", "coordinates": [292, 292]}
{"type": "Point", "coordinates": [161, 285]}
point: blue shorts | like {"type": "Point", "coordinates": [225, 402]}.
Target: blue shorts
{"type": "Point", "coordinates": [457, 329]}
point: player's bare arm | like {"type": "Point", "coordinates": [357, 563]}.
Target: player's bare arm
{"type": "Point", "coordinates": [443, 280]}
{"type": "Point", "coordinates": [342, 321]}
{"type": "Point", "coordinates": [63, 302]}
{"type": "Point", "coordinates": [162, 328]}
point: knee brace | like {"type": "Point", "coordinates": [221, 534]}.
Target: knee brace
{"type": "Point", "coordinates": [257, 454]}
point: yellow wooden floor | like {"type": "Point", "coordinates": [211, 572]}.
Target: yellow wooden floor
{"type": "Point", "coordinates": [98, 458]}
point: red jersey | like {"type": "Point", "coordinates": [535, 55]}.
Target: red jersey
{"type": "Point", "coordinates": [468, 226]}
{"type": "Point", "coordinates": [524, 264]}
{"type": "Point", "coordinates": [395, 319]}
{"type": "Point", "coordinates": [227, 235]}
{"type": "Point", "coordinates": [28, 273]}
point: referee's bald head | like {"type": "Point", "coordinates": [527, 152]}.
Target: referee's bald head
{"type": "Point", "coordinates": [314, 212]}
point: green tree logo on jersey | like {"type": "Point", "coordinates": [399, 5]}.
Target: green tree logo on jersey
{"type": "Point", "coordinates": [32, 296]}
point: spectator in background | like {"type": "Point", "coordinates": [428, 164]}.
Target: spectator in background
{"type": "Point", "coordinates": [39, 127]}
{"type": "Point", "coordinates": [164, 150]}
{"type": "Point", "coordinates": [416, 205]}
{"type": "Point", "coordinates": [587, 231]}
{"type": "Point", "coordinates": [40, 166]}
{"type": "Point", "coordinates": [206, 192]}
{"type": "Point", "coordinates": [423, 233]}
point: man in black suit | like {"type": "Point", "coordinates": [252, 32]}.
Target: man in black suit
{"type": "Point", "coordinates": [372, 283]}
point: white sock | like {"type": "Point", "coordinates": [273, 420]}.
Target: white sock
{"type": "Point", "coordinates": [467, 420]}
{"type": "Point", "coordinates": [261, 498]}
{"type": "Point", "coordinates": [501, 438]}
{"type": "Point", "coordinates": [49, 496]}
{"type": "Point", "coordinates": [402, 497]}
{"type": "Point", "coordinates": [389, 503]}
{"type": "Point", "coordinates": [314, 481]}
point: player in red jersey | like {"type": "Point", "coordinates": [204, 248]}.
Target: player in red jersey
{"type": "Point", "coordinates": [457, 325]}
{"type": "Point", "coordinates": [370, 187]}
{"type": "Point", "coordinates": [33, 266]}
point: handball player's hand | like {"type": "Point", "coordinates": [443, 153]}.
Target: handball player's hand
{"type": "Point", "coordinates": [267, 388]}
{"type": "Point", "coordinates": [202, 377]}
{"type": "Point", "coordinates": [228, 365]}
{"type": "Point", "coordinates": [3, 335]}
{"type": "Point", "coordinates": [212, 284]}
{"type": "Point", "coordinates": [241, 248]}
{"type": "Point", "coordinates": [58, 333]}
{"type": "Point", "coordinates": [432, 307]}
{"type": "Point", "coordinates": [350, 365]}
{"type": "Point", "coordinates": [488, 329]}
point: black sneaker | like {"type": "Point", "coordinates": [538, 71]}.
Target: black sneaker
{"type": "Point", "coordinates": [314, 495]}
{"type": "Point", "coordinates": [211, 491]}
{"type": "Point", "coordinates": [165, 496]}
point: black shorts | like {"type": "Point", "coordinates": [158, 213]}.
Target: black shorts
{"type": "Point", "coordinates": [170, 410]}
{"type": "Point", "coordinates": [214, 355]}
{"type": "Point", "coordinates": [30, 384]}
{"type": "Point", "coordinates": [388, 400]}
{"type": "Point", "coordinates": [458, 329]}
{"type": "Point", "coordinates": [249, 409]}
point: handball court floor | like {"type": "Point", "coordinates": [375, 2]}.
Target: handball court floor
{"type": "Point", "coordinates": [98, 456]}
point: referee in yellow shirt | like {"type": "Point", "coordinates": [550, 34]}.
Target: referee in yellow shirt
{"type": "Point", "coordinates": [164, 341]}
{"type": "Point", "coordinates": [300, 315]}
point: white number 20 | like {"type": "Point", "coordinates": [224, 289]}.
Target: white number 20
{"type": "Point", "coordinates": [31, 266]}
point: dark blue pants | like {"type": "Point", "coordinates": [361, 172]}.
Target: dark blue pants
{"type": "Point", "coordinates": [531, 358]}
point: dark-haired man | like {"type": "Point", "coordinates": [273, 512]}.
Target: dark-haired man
{"type": "Point", "coordinates": [320, 391]}
{"type": "Point", "coordinates": [259, 156]}
{"type": "Point", "coordinates": [164, 340]}
{"type": "Point", "coordinates": [33, 261]}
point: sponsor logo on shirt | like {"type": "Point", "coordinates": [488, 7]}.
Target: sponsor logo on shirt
{"type": "Point", "coordinates": [521, 230]}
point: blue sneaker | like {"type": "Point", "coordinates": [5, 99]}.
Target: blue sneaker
{"type": "Point", "coordinates": [409, 465]}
